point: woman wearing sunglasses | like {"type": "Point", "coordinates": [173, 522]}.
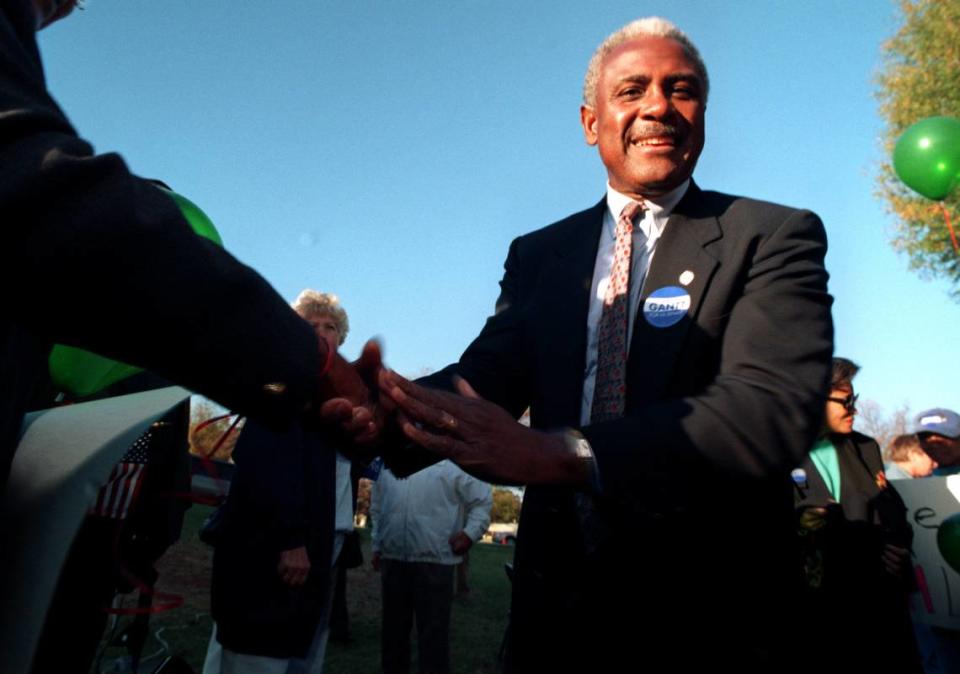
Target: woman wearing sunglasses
{"type": "Point", "coordinates": [855, 543]}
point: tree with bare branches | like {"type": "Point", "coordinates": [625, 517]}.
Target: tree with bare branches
{"type": "Point", "coordinates": [872, 420]}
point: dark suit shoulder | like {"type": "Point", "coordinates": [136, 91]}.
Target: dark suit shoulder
{"type": "Point", "coordinates": [863, 447]}
{"type": "Point", "coordinates": [861, 439]}
{"type": "Point", "coordinates": [869, 448]}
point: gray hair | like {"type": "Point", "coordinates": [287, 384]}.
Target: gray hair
{"type": "Point", "coordinates": [310, 303]}
{"type": "Point", "coordinates": [652, 26]}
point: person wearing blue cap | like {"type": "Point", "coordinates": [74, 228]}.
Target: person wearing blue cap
{"type": "Point", "coordinates": [939, 433]}
{"type": "Point", "coordinates": [938, 430]}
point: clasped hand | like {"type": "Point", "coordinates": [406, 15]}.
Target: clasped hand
{"type": "Point", "coordinates": [366, 402]}
{"type": "Point", "coordinates": [347, 397]}
{"type": "Point", "coordinates": [479, 436]}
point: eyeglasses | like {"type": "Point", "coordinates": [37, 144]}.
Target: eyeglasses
{"type": "Point", "coordinates": [849, 402]}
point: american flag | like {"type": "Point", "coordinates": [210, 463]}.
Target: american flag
{"type": "Point", "coordinates": [121, 488]}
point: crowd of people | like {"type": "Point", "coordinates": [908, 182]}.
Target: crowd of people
{"type": "Point", "coordinates": [673, 346]}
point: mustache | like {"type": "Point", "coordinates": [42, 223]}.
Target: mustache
{"type": "Point", "coordinates": [654, 130]}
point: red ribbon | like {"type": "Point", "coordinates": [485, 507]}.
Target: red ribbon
{"type": "Point", "coordinates": [953, 235]}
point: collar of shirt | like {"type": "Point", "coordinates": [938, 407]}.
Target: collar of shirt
{"type": "Point", "coordinates": [654, 217]}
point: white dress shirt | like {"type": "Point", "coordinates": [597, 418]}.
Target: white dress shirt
{"type": "Point", "coordinates": [646, 233]}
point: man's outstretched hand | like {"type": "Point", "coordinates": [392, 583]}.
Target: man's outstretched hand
{"type": "Point", "coordinates": [479, 436]}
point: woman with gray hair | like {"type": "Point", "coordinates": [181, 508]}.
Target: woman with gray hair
{"type": "Point", "coordinates": [323, 308]}
{"type": "Point", "coordinates": [285, 522]}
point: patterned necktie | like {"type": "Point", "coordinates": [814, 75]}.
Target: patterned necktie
{"type": "Point", "coordinates": [610, 392]}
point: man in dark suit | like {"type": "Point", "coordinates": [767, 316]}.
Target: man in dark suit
{"type": "Point", "coordinates": [131, 279]}
{"type": "Point", "coordinates": [672, 505]}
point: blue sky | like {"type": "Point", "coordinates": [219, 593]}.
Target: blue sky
{"type": "Point", "coordinates": [390, 151]}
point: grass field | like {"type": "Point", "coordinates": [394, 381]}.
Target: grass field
{"type": "Point", "coordinates": [478, 622]}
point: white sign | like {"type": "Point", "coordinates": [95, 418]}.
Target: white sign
{"type": "Point", "coordinates": [64, 455]}
{"type": "Point", "coordinates": [931, 501]}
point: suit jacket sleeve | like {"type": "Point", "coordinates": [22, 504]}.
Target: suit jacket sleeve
{"type": "Point", "coordinates": [102, 260]}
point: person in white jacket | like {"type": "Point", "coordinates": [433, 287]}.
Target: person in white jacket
{"type": "Point", "coordinates": [422, 526]}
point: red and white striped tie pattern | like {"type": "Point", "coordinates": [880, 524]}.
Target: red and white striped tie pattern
{"type": "Point", "coordinates": [610, 392]}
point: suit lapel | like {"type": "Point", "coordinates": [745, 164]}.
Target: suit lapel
{"type": "Point", "coordinates": [680, 252]}
{"type": "Point", "coordinates": [857, 473]}
{"type": "Point", "coordinates": [565, 290]}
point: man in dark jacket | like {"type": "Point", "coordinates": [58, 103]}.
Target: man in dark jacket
{"type": "Point", "coordinates": [130, 279]}
{"type": "Point", "coordinates": [672, 344]}
{"type": "Point", "coordinates": [107, 244]}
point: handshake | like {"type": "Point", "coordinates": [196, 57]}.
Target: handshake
{"type": "Point", "coordinates": [381, 413]}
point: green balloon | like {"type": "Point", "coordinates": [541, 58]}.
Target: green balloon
{"type": "Point", "coordinates": [82, 373]}
{"type": "Point", "coordinates": [948, 540]}
{"type": "Point", "coordinates": [201, 224]}
{"type": "Point", "coordinates": [927, 156]}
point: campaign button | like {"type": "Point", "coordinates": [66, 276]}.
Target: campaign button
{"type": "Point", "coordinates": [666, 306]}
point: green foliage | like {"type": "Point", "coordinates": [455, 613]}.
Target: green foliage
{"type": "Point", "coordinates": [874, 421]}
{"type": "Point", "coordinates": [920, 78]}
{"type": "Point", "coordinates": [506, 506]}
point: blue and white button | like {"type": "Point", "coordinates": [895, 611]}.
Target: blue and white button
{"type": "Point", "coordinates": [666, 306]}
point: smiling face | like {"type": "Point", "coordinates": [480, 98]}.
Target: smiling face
{"type": "Point", "coordinates": [648, 119]}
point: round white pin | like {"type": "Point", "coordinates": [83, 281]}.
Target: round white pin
{"type": "Point", "coordinates": [686, 278]}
